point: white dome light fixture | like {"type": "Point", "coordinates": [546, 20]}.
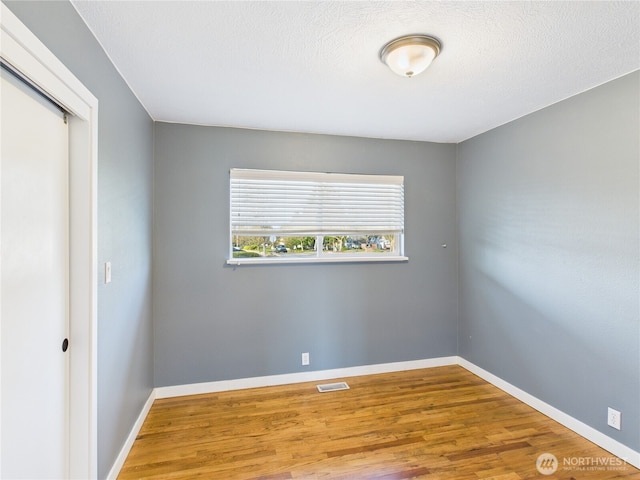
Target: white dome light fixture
{"type": "Point", "coordinates": [410, 55]}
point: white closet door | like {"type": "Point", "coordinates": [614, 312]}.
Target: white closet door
{"type": "Point", "coordinates": [34, 236]}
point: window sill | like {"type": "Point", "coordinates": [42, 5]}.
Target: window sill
{"type": "Point", "coordinates": [285, 261]}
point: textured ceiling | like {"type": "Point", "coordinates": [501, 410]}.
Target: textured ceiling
{"type": "Point", "coordinates": [313, 66]}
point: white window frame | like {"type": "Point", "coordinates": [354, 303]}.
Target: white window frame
{"type": "Point", "coordinates": [376, 207]}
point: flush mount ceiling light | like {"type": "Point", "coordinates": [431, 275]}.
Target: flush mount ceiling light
{"type": "Point", "coordinates": [410, 55]}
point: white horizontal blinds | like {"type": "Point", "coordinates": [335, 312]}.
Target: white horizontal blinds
{"type": "Point", "coordinates": [265, 202]}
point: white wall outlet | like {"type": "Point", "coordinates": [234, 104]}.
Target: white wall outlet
{"type": "Point", "coordinates": [305, 358]}
{"type": "Point", "coordinates": [613, 418]}
{"type": "Point", "coordinates": [107, 272]}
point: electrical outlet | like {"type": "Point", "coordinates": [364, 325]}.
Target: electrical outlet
{"type": "Point", "coordinates": [305, 358]}
{"type": "Point", "coordinates": [613, 418]}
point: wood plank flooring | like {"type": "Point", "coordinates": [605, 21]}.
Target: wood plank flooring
{"type": "Point", "coordinates": [438, 423]}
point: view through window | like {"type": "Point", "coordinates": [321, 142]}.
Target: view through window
{"type": "Point", "coordinates": [283, 216]}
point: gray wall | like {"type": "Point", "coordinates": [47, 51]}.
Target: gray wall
{"type": "Point", "coordinates": [214, 322]}
{"type": "Point", "coordinates": [548, 218]}
{"type": "Point", "coordinates": [125, 174]}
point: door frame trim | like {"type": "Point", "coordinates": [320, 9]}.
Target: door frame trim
{"type": "Point", "coordinates": [20, 48]}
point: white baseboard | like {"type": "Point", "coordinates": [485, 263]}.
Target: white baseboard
{"type": "Point", "coordinates": [618, 449]}
{"type": "Point", "coordinates": [301, 377]}
{"type": "Point", "coordinates": [126, 448]}
{"type": "Point", "coordinates": [609, 444]}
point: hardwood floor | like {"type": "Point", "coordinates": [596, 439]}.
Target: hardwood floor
{"type": "Point", "coordinates": [437, 423]}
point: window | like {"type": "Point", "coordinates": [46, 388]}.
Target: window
{"type": "Point", "coordinates": [281, 216]}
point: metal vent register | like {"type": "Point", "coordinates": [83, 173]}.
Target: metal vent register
{"type": "Point", "coordinates": [332, 387]}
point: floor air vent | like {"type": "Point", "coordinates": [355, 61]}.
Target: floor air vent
{"type": "Point", "coordinates": [332, 387]}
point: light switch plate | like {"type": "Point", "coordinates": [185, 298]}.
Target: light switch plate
{"type": "Point", "coordinates": [107, 272]}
